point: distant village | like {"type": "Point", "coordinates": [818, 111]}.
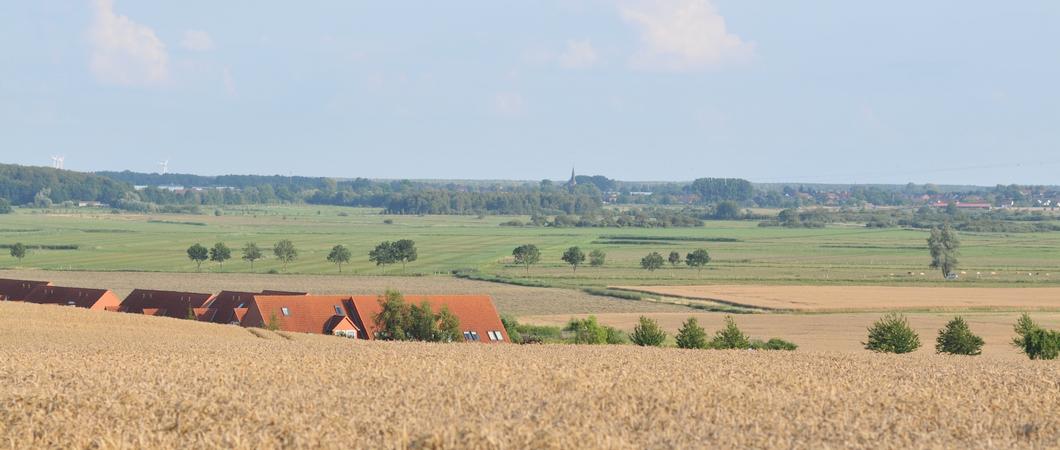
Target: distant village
{"type": "Point", "coordinates": [349, 316]}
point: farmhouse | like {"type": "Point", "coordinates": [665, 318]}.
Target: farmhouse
{"type": "Point", "coordinates": [231, 306]}
{"type": "Point", "coordinates": [97, 299]}
{"type": "Point", "coordinates": [178, 305]}
{"type": "Point", "coordinates": [320, 314]}
{"type": "Point", "coordinates": [18, 290]}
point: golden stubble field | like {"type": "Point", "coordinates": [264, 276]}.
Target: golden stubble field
{"type": "Point", "coordinates": [865, 298]}
{"type": "Point", "coordinates": [80, 379]}
{"type": "Point", "coordinates": [509, 299]}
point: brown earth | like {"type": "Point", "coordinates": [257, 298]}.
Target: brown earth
{"type": "Point", "coordinates": [509, 299]}
{"type": "Point", "coordinates": [866, 298]}
{"type": "Point", "coordinates": [71, 378]}
{"type": "Point", "coordinates": [840, 332]}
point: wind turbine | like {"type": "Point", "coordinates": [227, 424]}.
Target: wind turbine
{"type": "Point", "coordinates": [165, 166]}
{"type": "Point", "coordinates": [57, 162]}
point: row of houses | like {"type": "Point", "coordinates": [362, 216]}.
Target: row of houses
{"type": "Point", "coordinates": [350, 316]}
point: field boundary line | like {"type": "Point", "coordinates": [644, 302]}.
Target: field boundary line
{"type": "Point", "coordinates": [716, 300]}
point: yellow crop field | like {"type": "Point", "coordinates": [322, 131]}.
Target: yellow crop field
{"type": "Point", "coordinates": [79, 379]}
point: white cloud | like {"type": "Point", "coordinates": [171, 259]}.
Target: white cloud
{"type": "Point", "coordinates": [578, 55]}
{"type": "Point", "coordinates": [197, 41]}
{"type": "Point", "coordinates": [508, 104]}
{"type": "Point", "coordinates": [682, 35]}
{"type": "Point", "coordinates": [125, 52]}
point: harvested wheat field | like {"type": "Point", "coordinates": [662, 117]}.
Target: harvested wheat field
{"type": "Point", "coordinates": [865, 298]}
{"type": "Point", "coordinates": [838, 332]}
{"type": "Point", "coordinates": [509, 299]}
{"type": "Point", "coordinates": [72, 378]}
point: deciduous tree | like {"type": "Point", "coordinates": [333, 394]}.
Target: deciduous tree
{"type": "Point", "coordinates": [220, 253]}
{"type": "Point", "coordinates": [652, 262]}
{"type": "Point", "coordinates": [526, 255]}
{"type": "Point", "coordinates": [945, 247]}
{"type": "Point", "coordinates": [597, 258]}
{"type": "Point", "coordinates": [197, 253]}
{"type": "Point", "coordinates": [648, 333]}
{"type": "Point", "coordinates": [339, 255]}
{"type": "Point", "coordinates": [19, 251]}
{"type": "Point", "coordinates": [574, 256]}
{"type": "Point", "coordinates": [252, 253]}
{"type": "Point", "coordinates": [285, 252]}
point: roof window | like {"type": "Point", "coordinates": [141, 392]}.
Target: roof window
{"type": "Point", "coordinates": [285, 311]}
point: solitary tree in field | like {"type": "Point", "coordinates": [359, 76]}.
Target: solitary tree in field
{"type": "Point", "coordinates": [892, 334]}
{"type": "Point", "coordinates": [285, 252]}
{"type": "Point", "coordinates": [252, 253]}
{"type": "Point", "coordinates": [19, 251]}
{"type": "Point", "coordinates": [652, 262]}
{"type": "Point", "coordinates": [698, 259]}
{"type": "Point", "coordinates": [527, 255]}
{"type": "Point", "coordinates": [384, 253]}
{"type": "Point", "coordinates": [220, 253]}
{"type": "Point", "coordinates": [956, 338]}
{"type": "Point", "coordinates": [197, 253]}
{"type": "Point", "coordinates": [574, 256]}
{"type": "Point", "coordinates": [405, 252]}
{"type": "Point", "coordinates": [944, 246]}
{"type": "Point", "coordinates": [597, 258]}
{"type": "Point", "coordinates": [339, 255]}
{"type": "Point", "coordinates": [674, 259]}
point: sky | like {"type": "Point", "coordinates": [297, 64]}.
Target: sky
{"type": "Point", "coordinates": [953, 92]}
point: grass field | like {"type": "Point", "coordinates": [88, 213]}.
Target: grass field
{"type": "Point", "coordinates": [742, 252]}
{"type": "Point", "coordinates": [866, 298]}
{"type": "Point", "coordinates": [72, 378]}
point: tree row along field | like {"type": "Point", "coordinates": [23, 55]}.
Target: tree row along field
{"type": "Point", "coordinates": [740, 251]}
{"type": "Point", "coordinates": [121, 380]}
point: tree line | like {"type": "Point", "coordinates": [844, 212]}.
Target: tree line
{"type": "Point", "coordinates": [402, 251]}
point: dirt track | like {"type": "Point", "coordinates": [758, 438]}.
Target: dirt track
{"type": "Point", "coordinates": [867, 298]}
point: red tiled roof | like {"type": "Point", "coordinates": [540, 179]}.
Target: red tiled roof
{"type": "Point", "coordinates": [227, 302]}
{"type": "Point", "coordinates": [476, 313]}
{"type": "Point", "coordinates": [99, 299]}
{"type": "Point", "coordinates": [299, 314]}
{"type": "Point", "coordinates": [173, 304]}
{"type": "Point", "coordinates": [18, 289]}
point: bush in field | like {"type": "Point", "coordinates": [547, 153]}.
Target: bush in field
{"type": "Point", "coordinates": [691, 335]}
{"type": "Point", "coordinates": [1040, 343]}
{"type": "Point", "coordinates": [892, 334]}
{"type": "Point", "coordinates": [1024, 325]}
{"type": "Point", "coordinates": [648, 333]}
{"type": "Point", "coordinates": [957, 339]}
{"type": "Point", "coordinates": [730, 337]}
{"type": "Point", "coordinates": [589, 331]}
{"type": "Point", "coordinates": [773, 344]}
{"type": "Point", "coordinates": [511, 326]}
{"type": "Point", "coordinates": [597, 258]}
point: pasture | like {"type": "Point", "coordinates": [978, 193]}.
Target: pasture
{"type": "Point", "coordinates": [741, 252]}
{"type": "Point", "coordinates": [130, 381]}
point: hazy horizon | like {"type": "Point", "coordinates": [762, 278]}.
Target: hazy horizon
{"type": "Point", "coordinates": [951, 93]}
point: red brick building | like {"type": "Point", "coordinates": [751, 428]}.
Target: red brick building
{"type": "Point", "coordinates": [178, 305]}
{"type": "Point", "coordinates": [96, 299]}
{"type": "Point", "coordinates": [18, 290]}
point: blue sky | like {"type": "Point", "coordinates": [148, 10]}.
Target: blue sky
{"type": "Point", "coordinates": [817, 91]}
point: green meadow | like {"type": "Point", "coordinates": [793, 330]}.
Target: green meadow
{"type": "Point", "coordinates": [741, 252]}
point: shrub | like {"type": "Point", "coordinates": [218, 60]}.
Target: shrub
{"type": "Point", "coordinates": [774, 344]}
{"type": "Point", "coordinates": [1024, 325]}
{"type": "Point", "coordinates": [730, 337]}
{"type": "Point", "coordinates": [5, 206]}
{"type": "Point", "coordinates": [892, 334]}
{"type": "Point", "coordinates": [511, 326]}
{"type": "Point", "coordinates": [648, 333]}
{"type": "Point", "coordinates": [1040, 343]}
{"type": "Point", "coordinates": [957, 339]}
{"type": "Point", "coordinates": [589, 331]}
{"type": "Point", "coordinates": [691, 335]}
